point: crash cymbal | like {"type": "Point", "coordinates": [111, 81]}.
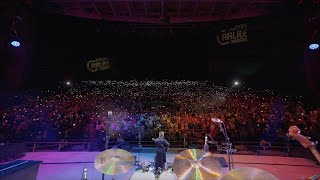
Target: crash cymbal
{"type": "Point", "coordinates": [196, 164]}
{"type": "Point", "coordinates": [114, 161]}
{"type": "Point", "coordinates": [248, 173]}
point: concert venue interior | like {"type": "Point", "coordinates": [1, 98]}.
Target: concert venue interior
{"type": "Point", "coordinates": [87, 85]}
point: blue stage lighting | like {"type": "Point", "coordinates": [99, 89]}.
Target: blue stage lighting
{"type": "Point", "coordinates": [15, 43]}
{"type": "Point", "coordinates": [313, 46]}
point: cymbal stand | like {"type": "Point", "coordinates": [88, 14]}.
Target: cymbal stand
{"type": "Point", "coordinates": [85, 174]}
{"type": "Point", "coordinates": [112, 178]}
{"type": "Point", "coordinates": [228, 147]}
{"type": "Point", "coordinates": [139, 146]}
{"type": "Point", "coordinates": [107, 138]}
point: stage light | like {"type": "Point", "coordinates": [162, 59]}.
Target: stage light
{"type": "Point", "coordinates": [14, 37]}
{"type": "Point", "coordinates": [68, 83]}
{"type": "Point", "coordinates": [313, 46]}
{"type": "Point", "coordinates": [236, 83]}
{"type": "Point", "coordinates": [15, 43]}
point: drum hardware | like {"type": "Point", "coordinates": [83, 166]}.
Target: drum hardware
{"type": "Point", "coordinates": [168, 175]}
{"type": "Point", "coordinates": [139, 175]}
{"type": "Point", "coordinates": [144, 166]}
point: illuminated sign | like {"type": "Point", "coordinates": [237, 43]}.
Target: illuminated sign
{"type": "Point", "coordinates": [98, 64]}
{"type": "Point", "coordinates": [232, 35]}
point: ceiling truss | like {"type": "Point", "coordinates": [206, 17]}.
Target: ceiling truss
{"type": "Point", "coordinates": [164, 11]}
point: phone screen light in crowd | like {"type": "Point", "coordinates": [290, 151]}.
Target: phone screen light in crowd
{"type": "Point", "coordinates": [68, 83]}
{"type": "Point", "coordinates": [236, 83]}
{"type": "Point", "coordinates": [313, 46]}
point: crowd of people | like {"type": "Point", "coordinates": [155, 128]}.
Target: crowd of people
{"type": "Point", "coordinates": [182, 109]}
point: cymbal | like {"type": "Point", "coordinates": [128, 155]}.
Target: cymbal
{"type": "Point", "coordinates": [196, 164]}
{"type": "Point", "coordinates": [114, 161]}
{"type": "Point", "coordinates": [248, 173]}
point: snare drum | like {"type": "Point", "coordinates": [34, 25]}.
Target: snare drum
{"type": "Point", "coordinates": [168, 175]}
{"type": "Point", "coordinates": [139, 175]}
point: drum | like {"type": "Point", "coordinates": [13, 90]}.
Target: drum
{"type": "Point", "coordinates": [168, 175]}
{"type": "Point", "coordinates": [139, 175]}
{"type": "Point", "coordinates": [145, 166]}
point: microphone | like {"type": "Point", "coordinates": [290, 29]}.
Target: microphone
{"type": "Point", "coordinates": [84, 175]}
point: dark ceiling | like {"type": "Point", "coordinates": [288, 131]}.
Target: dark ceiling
{"type": "Point", "coordinates": [164, 11]}
{"type": "Point", "coordinates": [174, 37]}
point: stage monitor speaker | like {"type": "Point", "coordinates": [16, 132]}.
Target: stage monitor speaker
{"type": "Point", "coordinates": [20, 169]}
{"type": "Point", "coordinates": [12, 151]}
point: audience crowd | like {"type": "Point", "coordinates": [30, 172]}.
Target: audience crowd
{"type": "Point", "coordinates": [183, 109]}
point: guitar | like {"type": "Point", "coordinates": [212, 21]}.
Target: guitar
{"type": "Point", "coordinates": [294, 133]}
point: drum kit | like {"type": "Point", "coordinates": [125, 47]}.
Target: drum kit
{"type": "Point", "coordinates": [190, 164]}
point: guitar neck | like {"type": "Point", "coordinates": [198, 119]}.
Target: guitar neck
{"type": "Point", "coordinates": [315, 152]}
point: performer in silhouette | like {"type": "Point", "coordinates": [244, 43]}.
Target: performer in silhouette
{"type": "Point", "coordinates": [162, 146]}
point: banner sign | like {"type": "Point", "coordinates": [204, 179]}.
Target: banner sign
{"type": "Point", "coordinates": [232, 35]}
{"type": "Point", "coordinates": [98, 64]}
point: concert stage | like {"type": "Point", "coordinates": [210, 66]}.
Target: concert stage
{"type": "Point", "coordinates": [70, 165]}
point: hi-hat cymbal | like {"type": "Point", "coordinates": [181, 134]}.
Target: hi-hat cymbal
{"type": "Point", "coordinates": [114, 161]}
{"type": "Point", "coordinates": [248, 173]}
{"type": "Point", "coordinates": [196, 164]}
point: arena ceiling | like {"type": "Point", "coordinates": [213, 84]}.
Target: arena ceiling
{"type": "Point", "coordinates": [172, 13]}
{"type": "Point", "coordinates": [276, 30]}
{"type": "Point", "coordinates": [164, 11]}
{"type": "Point", "coordinates": [125, 15]}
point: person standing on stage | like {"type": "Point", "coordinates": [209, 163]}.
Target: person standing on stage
{"type": "Point", "coordinates": [162, 146]}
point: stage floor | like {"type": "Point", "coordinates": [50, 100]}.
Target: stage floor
{"type": "Point", "coordinates": [70, 165]}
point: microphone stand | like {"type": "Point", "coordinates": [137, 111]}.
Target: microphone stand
{"type": "Point", "coordinates": [228, 148]}
{"type": "Point", "coordinates": [206, 146]}
{"type": "Point", "coordinates": [84, 174]}
{"type": "Point", "coordinates": [139, 146]}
